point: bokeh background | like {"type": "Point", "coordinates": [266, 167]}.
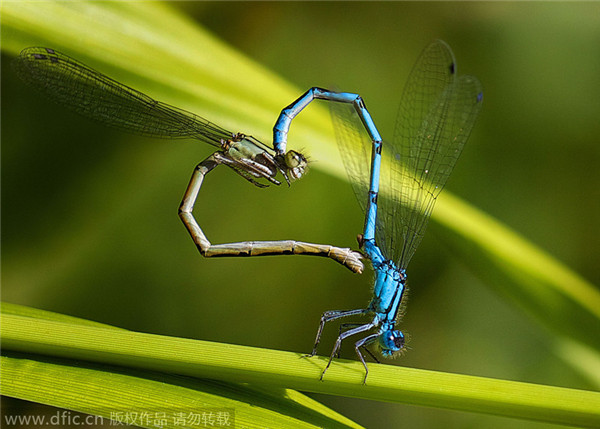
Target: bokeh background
{"type": "Point", "coordinates": [89, 214]}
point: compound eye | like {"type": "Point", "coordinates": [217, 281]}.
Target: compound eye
{"type": "Point", "coordinates": [296, 164]}
{"type": "Point", "coordinates": [391, 342]}
{"type": "Point", "coordinates": [398, 339]}
{"type": "Point", "coordinates": [294, 159]}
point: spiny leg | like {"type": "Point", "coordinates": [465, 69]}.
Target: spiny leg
{"type": "Point", "coordinates": [328, 316]}
{"type": "Point", "coordinates": [345, 327]}
{"type": "Point", "coordinates": [364, 343]}
{"type": "Point", "coordinates": [365, 348]}
{"type": "Point", "coordinates": [342, 337]}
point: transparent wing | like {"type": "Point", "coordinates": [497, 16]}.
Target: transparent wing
{"type": "Point", "coordinates": [355, 148]}
{"type": "Point", "coordinates": [436, 115]}
{"type": "Point", "coordinates": [101, 98]}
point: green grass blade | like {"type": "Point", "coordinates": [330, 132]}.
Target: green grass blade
{"type": "Point", "coordinates": [535, 281]}
{"type": "Point", "coordinates": [157, 50]}
{"type": "Point", "coordinates": [284, 369]}
{"type": "Point", "coordinates": [8, 308]}
{"type": "Point", "coordinates": [101, 390]}
{"type": "Point", "coordinates": [143, 398]}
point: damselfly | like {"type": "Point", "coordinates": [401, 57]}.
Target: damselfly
{"type": "Point", "coordinates": [437, 112]}
{"type": "Point", "coordinates": [101, 98]}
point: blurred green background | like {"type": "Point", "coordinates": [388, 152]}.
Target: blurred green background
{"type": "Point", "coordinates": [89, 215]}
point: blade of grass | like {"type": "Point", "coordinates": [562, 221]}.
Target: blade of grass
{"type": "Point", "coordinates": [284, 369]}
{"type": "Point", "coordinates": [102, 390]}
{"type": "Point", "coordinates": [144, 398]}
{"type": "Point", "coordinates": [160, 51]}
{"type": "Point", "coordinates": [535, 281]}
{"type": "Point", "coordinates": [583, 359]}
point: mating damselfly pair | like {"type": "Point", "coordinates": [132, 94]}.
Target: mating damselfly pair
{"type": "Point", "coordinates": [396, 184]}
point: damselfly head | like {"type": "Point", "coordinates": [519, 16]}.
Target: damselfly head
{"type": "Point", "coordinates": [391, 342]}
{"type": "Point", "coordinates": [292, 165]}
